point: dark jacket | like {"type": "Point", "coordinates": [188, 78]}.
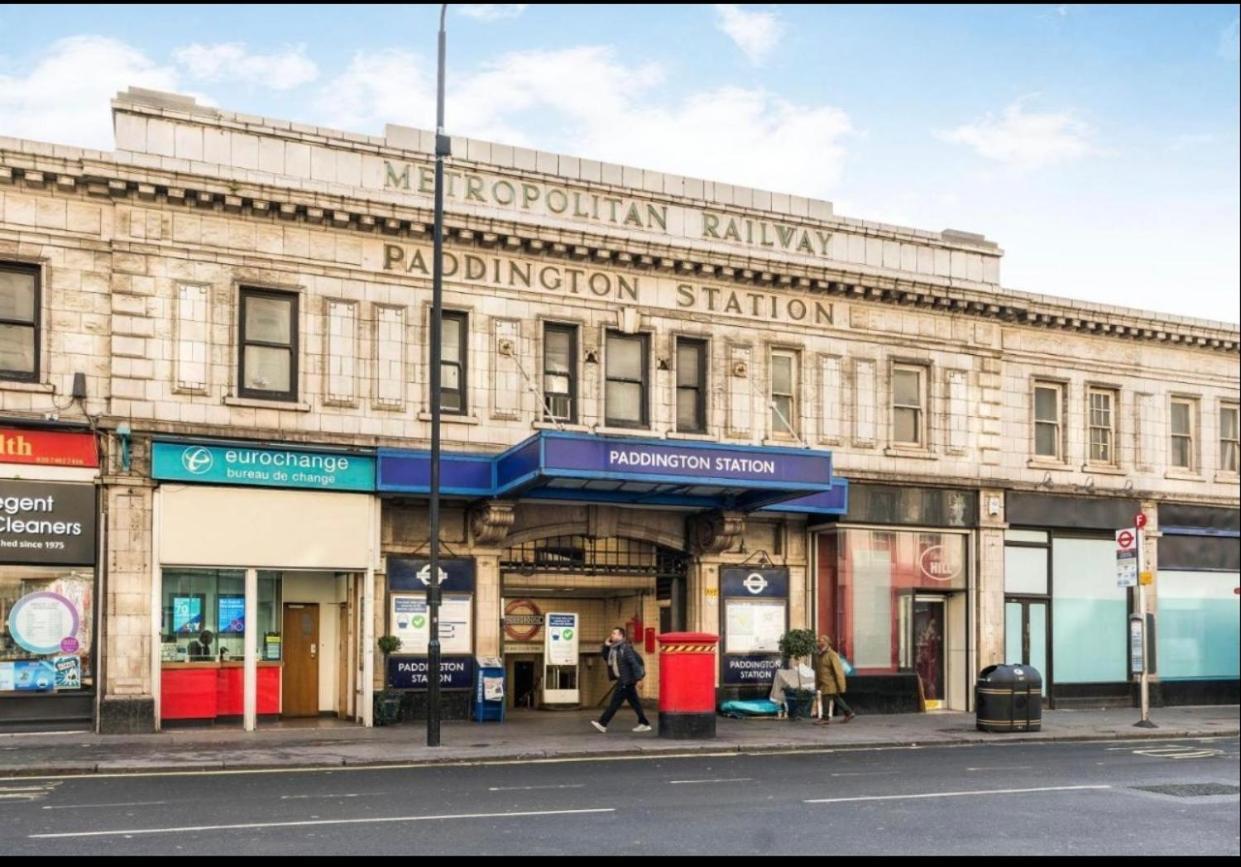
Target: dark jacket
{"type": "Point", "coordinates": [631, 668]}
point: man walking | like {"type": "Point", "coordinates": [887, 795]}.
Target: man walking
{"type": "Point", "coordinates": [829, 680]}
{"type": "Point", "coordinates": [626, 668]}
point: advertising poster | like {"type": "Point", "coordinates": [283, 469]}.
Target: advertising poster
{"type": "Point", "coordinates": [562, 633]}
{"type": "Point", "coordinates": [40, 622]}
{"type": "Point", "coordinates": [68, 672]}
{"type": "Point", "coordinates": [271, 646]}
{"type": "Point", "coordinates": [187, 614]}
{"type": "Point", "coordinates": [232, 615]}
{"type": "Point", "coordinates": [7, 673]}
{"type": "Point", "coordinates": [34, 675]}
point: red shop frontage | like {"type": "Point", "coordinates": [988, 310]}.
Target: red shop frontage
{"type": "Point", "coordinates": [896, 597]}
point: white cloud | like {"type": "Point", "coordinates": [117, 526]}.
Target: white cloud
{"type": "Point", "coordinates": [1230, 41]}
{"type": "Point", "coordinates": [1023, 139]}
{"type": "Point", "coordinates": [756, 33]}
{"type": "Point", "coordinates": [586, 102]}
{"type": "Point", "coordinates": [231, 62]}
{"type": "Point", "coordinates": [493, 11]}
{"type": "Point", "coordinates": [66, 96]}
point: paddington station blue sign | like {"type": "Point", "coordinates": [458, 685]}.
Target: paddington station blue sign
{"type": "Point", "coordinates": [549, 466]}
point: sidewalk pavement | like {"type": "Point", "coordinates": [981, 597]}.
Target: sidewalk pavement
{"type": "Point", "coordinates": [528, 735]}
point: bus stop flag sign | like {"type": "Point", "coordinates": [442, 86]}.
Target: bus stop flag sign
{"type": "Point", "coordinates": [1127, 557]}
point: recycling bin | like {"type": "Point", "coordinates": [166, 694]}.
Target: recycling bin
{"type": "Point", "coordinates": [488, 702]}
{"type": "Point", "coordinates": [1009, 698]}
{"type": "Point", "coordinates": [687, 665]}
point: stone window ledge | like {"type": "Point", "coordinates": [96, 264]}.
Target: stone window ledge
{"type": "Point", "coordinates": [1044, 464]}
{"type": "Point", "coordinates": [448, 418]}
{"type": "Point", "coordinates": [255, 403]}
{"type": "Point", "coordinates": [625, 431]}
{"type": "Point", "coordinates": [1103, 470]}
{"type": "Point", "coordinates": [916, 454]}
{"type": "Point", "coordinates": [1184, 475]}
{"type": "Point", "coordinates": [1227, 478]}
{"type": "Point", "coordinates": [30, 387]}
{"type": "Point", "coordinates": [691, 437]}
{"type": "Point", "coordinates": [550, 425]}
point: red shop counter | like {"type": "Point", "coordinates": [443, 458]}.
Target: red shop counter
{"type": "Point", "coordinates": [206, 690]}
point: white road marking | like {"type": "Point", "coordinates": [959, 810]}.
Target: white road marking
{"type": "Point", "coordinates": [729, 780]}
{"type": "Point", "coordinates": [532, 788]}
{"type": "Point", "coordinates": [27, 793]}
{"type": "Point", "coordinates": [864, 773]}
{"type": "Point", "coordinates": [96, 806]}
{"type": "Point", "coordinates": [952, 794]}
{"type": "Point", "coordinates": [1009, 768]}
{"type": "Point", "coordinates": [351, 795]}
{"type": "Point", "coordinates": [191, 829]}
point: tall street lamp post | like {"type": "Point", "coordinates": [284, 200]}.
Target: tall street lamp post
{"type": "Point", "coordinates": [442, 149]}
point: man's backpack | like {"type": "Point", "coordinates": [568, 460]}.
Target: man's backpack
{"type": "Point", "coordinates": [639, 667]}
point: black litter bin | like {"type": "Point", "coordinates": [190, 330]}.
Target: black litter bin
{"type": "Point", "coordinates": [1009, 698]}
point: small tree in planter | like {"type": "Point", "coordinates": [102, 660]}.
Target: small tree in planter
{"type": "Point", "coordinates": [794, 645]}
{"type": "Point", "coordinates": [387, 700]}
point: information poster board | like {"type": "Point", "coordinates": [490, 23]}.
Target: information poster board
{"type": "Point", "coordinates": [410, 621]}
{"type": "Point", "coordinates": [187, 614]}
{"type": "Point", "coordinates": [754, 625]}
{"type": "Point", "coordinates": [231, 619]}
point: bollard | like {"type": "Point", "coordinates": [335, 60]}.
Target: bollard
{"type": "Point", "coordinates": [687, 665]}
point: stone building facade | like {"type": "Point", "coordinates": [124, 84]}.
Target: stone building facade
{"type": "Point", "coordinates": [697, 373]}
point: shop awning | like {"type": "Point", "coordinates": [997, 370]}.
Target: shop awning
{"type": "Point", "coordinates": [577, 467]}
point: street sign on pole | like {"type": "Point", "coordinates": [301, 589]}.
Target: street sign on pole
{"type": "Point", "coordinates": [1126, 558]}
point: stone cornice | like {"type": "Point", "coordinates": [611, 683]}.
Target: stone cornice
{"type": "Point", "coordinates": [110, 180]}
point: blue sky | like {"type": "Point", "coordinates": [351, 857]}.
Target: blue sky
{"type": "Point", "coordinates": [1098, 145]}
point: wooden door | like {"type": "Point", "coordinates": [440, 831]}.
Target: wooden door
{"type": "Point", "coordinates": [301, 660]}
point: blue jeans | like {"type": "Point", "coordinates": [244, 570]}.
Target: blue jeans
{"type": "Point", "coordinates": [623, 692]}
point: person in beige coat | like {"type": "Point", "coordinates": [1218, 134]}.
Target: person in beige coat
{"type": "Point", "coordinates": [829, 681]}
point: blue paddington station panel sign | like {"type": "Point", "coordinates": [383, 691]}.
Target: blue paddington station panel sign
{"type": "Point", "coordinates": [272, 468]}
{"type": "Point", "coordinates": [626, 470]}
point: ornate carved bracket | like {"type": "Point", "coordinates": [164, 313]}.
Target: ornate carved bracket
{"type": "Point", "coordinates": [490, 522]}
{"type": "Point", "coordinates": [716, 531]}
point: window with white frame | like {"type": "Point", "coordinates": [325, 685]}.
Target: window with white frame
{"type": "Point", "coordinates": [1182, 421]}
{"type": "Point", "coordinates": [1048, 424]}
{"type": "Point", "coordinates": [909, 405]}
{"type": "Point", "coordinates": [784, 408]}
{"type": "Point", "coordinates": [1101, 423]}
{"type": "Point", "coordinates": [1229, 450]}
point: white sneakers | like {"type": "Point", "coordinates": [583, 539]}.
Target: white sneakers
{"type": "Point", "coordinates": [600, 727]}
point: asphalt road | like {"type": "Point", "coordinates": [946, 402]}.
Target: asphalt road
{"type": "Point", "coordinates": [1023, 799]}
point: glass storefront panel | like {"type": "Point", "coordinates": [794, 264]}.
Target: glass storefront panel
{"type": "Point", "coordinates": [196, 601]}
{"type": "Point", "coordinates": [871, 590]}
{"type": "Point", "coordinates": [1197, 636]}
{"type": "Point", "coordinates": [1089, 612]}
{"type": "Point", "coordinates": [46, 629]}
{"type": "Point", "coordinates": [1025, 571]}
{"type": "Point", "coordinates": [1012, 633]}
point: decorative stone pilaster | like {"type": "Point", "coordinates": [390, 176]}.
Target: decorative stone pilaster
{"type": "Point", "coordinates": [716, 531]}
{"type": "Point", "coordinates": [490, 523]}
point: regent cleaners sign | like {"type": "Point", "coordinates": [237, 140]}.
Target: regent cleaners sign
{"type": "Point", "coordinates": [47, 523]}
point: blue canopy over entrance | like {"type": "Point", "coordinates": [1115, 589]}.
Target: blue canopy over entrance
{"type": "Point", "coordinates": [579, 467]}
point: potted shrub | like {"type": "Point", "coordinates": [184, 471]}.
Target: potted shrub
{"type": "Point", "coordinates": [387, 700]}
{"type": "Point", "coordinates": [797, 644]}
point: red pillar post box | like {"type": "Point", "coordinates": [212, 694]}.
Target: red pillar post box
{"type": "Point", "coordinates": [687, 665]}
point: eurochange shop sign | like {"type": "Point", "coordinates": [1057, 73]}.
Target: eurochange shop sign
{"type": "Point", "coordinates": [269, 468]}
